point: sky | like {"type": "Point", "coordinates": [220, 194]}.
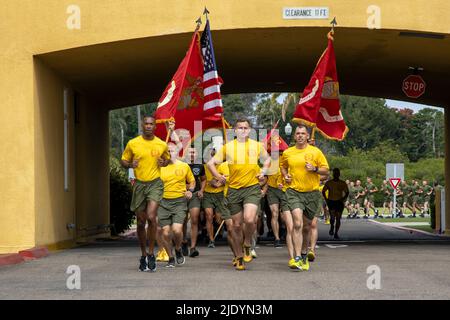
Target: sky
{"type": "Point", "coordinates": [415, 107]}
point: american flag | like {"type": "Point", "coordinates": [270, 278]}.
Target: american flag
{"type": "Point", "coordinates": [211, 80]}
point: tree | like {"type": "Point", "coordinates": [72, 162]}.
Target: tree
{"type": "Point", "coordinates": [235, 105]}
{"type": "Point", "coordinates": [369, 120]}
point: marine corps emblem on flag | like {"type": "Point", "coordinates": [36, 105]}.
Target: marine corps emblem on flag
{"type": "Point", "coordinates": [330, 89]}
{"type": "Point", "coordinates": [195, 88]}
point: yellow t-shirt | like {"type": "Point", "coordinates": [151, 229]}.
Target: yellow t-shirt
{"type": "Point", "coordinates": [295, 159]}
{"type": "Point", "coordinates": [242, 158]}
{"type": "Point", "coordinates": [273, 173]}
{"type": "Point", "coordinates": [283, 182]}
{"type": "Point", "coordinates": [336, 189]}
{"type": "Point", "coordinates": [148, 152]}
{"type": "Point", "coordinates": [223, 170]}
{"type": "Point", "coordinates": [175, 176]}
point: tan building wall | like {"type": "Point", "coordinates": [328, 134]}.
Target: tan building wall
{"type": "Point", "coordinates": [54, 207]}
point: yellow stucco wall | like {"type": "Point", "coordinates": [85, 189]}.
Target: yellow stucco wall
{"type": "Point", "coordinates": [54, 207]}
{"type": "Point", "coordinates": [34, 209]}
{"type": "Point", "coordinates": [92, 161]}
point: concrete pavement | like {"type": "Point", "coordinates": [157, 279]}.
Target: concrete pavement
{"type": "Point", "coordinates": [410, 269]}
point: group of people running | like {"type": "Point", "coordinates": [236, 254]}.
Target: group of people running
{"type": "Point", "coordinates": [231, 183]}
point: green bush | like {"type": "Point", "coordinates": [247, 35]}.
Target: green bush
{"type": "Point", "coordinates": [120, 197]}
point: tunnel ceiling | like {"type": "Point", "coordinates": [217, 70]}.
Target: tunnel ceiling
{"type": "Point", "coordinates": [370, 63]}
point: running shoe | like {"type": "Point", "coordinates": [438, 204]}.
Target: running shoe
{"type": "Point", "coordinates": [185, 249]}
{"type": "Point", "coordinates": [253, 253]}
{"type": "Point", "coordinates": [234, 261]}
{"type": "Point", "coordinates": [162, 255]}
{"type": "Point", "coordinates": [143, 264]}
{"type": "Point", "coordinates": [292, 264]}
{"type": "Point", "coordinates": [240, 264]}
{"type": "Point", "coordinates": [277, 244]}
{"type": "Point", "coordinates": [171, 263]}
{"type": "Point", "coordinates": [327, 221]}
{"type": "Point", "coordinates": [247, 255]}
{"type": "Point", "coordinates": [305, 266]}
{"type": "Point", "coordinates": [211, 244]}
{"type": "Point", "coordinates": [311, 255]}
{"type": "Point", "coordinates": [299, 263]}
{"type": "Point", "coordinates": [336, 237]}
{"type": "Point", "coordinates": [151, 262]}
{"type": "Point", "coordinates": [159, 255]}
{"type": "Point", "coordinates": [194, 253]}
{"type": "Point", "coordinates": [179, 256]}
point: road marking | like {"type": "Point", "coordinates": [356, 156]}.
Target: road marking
{"type": "Point", "coordinates": [332, 246]}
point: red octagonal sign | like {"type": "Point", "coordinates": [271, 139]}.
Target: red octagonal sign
{"type": "Point", "coordinates": [413, 86]}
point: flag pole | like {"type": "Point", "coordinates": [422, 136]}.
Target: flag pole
{"type": "Point", "coordinates": [199, 22]}
{"type": "Point", "coordinates": [205, 12]}
{"type": "Point", "coordinates": [224, 130]}
{"type": "Point", "coordinates": [169, 132]}
{"type": "Point", "coordinates": [331, 33]}
{"type": "Point", "coordinates": [313, 132]}
{"type": "Point", "coordinates": [217, 232]}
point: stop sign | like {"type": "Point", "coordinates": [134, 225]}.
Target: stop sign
{"type": "Point", "coordinates": [413, 86]}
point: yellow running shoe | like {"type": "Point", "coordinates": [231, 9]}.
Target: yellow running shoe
{"type": "Point", "coordinates": [162, 255]}
{"type": "Point", "coordinates": [240, 264]}
{"type": "Point", "coordinates": [305, 264]}
{"type": "Point", "coordinates": [311, 255]}
{"type": "Point", "coordinates": [292, 264]}
{"type": "Point", "coordinates": [159, 255]}
{"type": "Point", "coordinates": [247, 254]}
{"type": "Point", "coordinates": [327, 221]}
{"type": "Point", "coordinates": [299, 264]}
{"type": "Point", "coordinates": [165, 256]}
{"type": "Point", "coordinates": [234, 261]}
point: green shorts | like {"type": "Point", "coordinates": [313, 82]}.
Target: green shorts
{"type": "Point", "coordinates": [308, 202]}
{"type": "Point", "coordinates": [427, 199]}
{"type": "Point", "coordinates": [277, 196]}
{"type": "Point", "coordinates": [415, 199]}
{"type": "Point", "coordinates": [370, 199]}
{"type": "Point", "coordinates": [360, 201]}
{"type": "Point", "coordinates": [194, 202]}
{"type": "Point", "coordinates": [400, 200]}
{"type": "Point", "coordinates": [172, 211]}
{"type": "Point", "coordinates": [236, 198]}
{"type": "Point", "coordinates": [146, 191]}
{"type": "Point", "coordinates": [217, 202]}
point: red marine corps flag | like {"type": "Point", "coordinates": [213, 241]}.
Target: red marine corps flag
{"type": "Point", "coordinates": [319, 105]}
{"type": "Point", "coordinates": [274, 142]}
{"type": "Point", "coordinates": [183, 99]}
{"type": "Point", "coordinates": [184, 93]}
